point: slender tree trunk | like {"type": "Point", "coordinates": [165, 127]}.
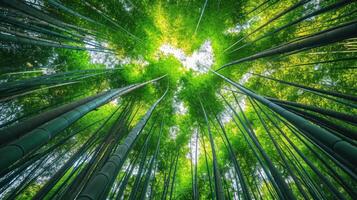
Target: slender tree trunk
{"type": "Point", "coordinates": [17, 130]}
{"type": "Point", "coordinates": [275, 173]}
{"type": "Point", "coordinates": [60, 6]}
{"type": "Point", "coordinates": [42, 134]}
{"type": "Point", "coordinates": [335, 146]}
{"type": "Point", "coordinates": [315, 13]}
{"type": "Point", "coordinates": [127, 176]}
{"type": "Point", "coordinates": [217, 176]}
{"type": "Point", "coordinates": [174, 176]}
{"type": "Point", "coordinates": [98, 186]}
{"type": "Point", "coordinates": [327, 112]}
{"type": "Point", "coordinates": [277, 147]}
{"type": "Point", "coordinates": [310, 164]}
{"type": "Point", "coordinates": [207, 168]}
{"type": "Point", "coordinates": [320, 39]}
{"type": "Point", "coordinates": [235, 163]}
{"type": "Point", "coordinates": [289, 9]}
{"type": "Point", "coordinates": [151, 165]}
{"type": "Point", "coordinates": [256, 8]}
{"type": "Point", "coordinates": [341, 131]}
{"type": "Point", "coordinates": [330, 93]}
{"type": "Point", "coordinates": [135, 187]}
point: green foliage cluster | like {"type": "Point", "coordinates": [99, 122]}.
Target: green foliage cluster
{"type": "Point", "coordinates": [135, 30]}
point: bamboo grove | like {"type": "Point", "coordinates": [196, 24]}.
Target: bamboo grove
{"type": "Point", "coordinates": [178, 99]}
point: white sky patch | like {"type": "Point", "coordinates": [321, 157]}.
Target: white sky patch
{"type": "Point", "coordinates": [200, 61]}
{"type": "Point", "coordinates": [51, 168]}
{"type": "Point", "coordinates": [111, 60]}
{"type": "Point", "coordinates": [9, 111]}
{"type": "Point", "coordinates": [225, 116]}
{"type": "Point", "coordinates": [240, 27]}
{"type": "Point", "coordinates": [108, 59]}
{"type": "Point", "coordinates": [179, 87]}
{"type": "Point", "coordinates": [245, 78]}
{"type": "Point", "coordinates": [48, 71]}
{"type": "Point", "coordinates": [242, 102]}
{"type": "Point", "coordinates": [300, 91]}
{"type": "Point", "coordinates": [194, 140]}
{"type": "Point", "coordinates": [173, 131]}
{"type": "Point", "coordinates": [268, 72]}
{"type": "Point", "coordinates": [33, 34]}
{"type": "Point", "coordinates": [327, 80]}
{"type": "Point", "coordinates": [179, 106]}
{"type": "Point", "coordinates": [115, 101]}
{"type": "Point", "coordinates": [50, 67]}
{"type": "Point", "coordinates": [35, 3]}
{"type": "Point", "coordinates": [310, 7]}
{"type": "Point", "coordinates": [125, 166]}
{"type": "Point", "coordinates": [230, 175]}
{"type": "Point", "coordinates": [317, 67]}
{"type": "Point", "coordinates": [140, 61]}
{"type": "Point", "coordinates": [260, 175]}
{"type": "Point", "coordinates": [127, 5]}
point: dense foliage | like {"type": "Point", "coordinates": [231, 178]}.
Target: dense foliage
{"type": "Point", "coordinates": [178, 99]}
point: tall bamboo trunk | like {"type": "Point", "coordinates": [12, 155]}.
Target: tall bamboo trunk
{"type": "Point", "coordinates": [322, 38]}
{"type": "Point", "coordinates": [17, 130]}
{"type": "Point", "coordinates": [98, 186]}
{"type": "Point", "coordinates": [217, 175]}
